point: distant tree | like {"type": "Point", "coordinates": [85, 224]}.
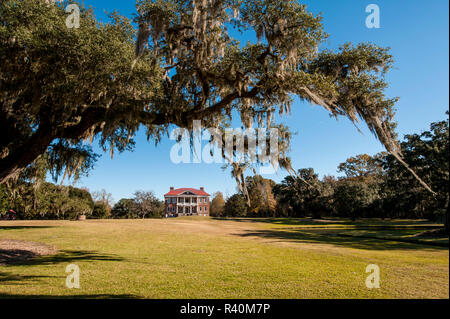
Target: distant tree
{"type": "Point", "coordinates": [287, 196]}
{"type": "Point", "coordinates": [124, 208]}
{"type": "Point", "coordinates": [217, 205]}
{"type": "Point", "coordinates": [148, 205]}
{"type": "Point", "coordinates": [100, 211]}
{"type": "Point", "coordinates": [301, 193]}
{"type": "Point", "coordinates": [103, 198]}
{"type": "Point", "coordinates": [262, 200]}
{"type": "Point", "coordinates": [353, 197]}
{"type": "Point", "coordinates": [235, 206]}
{"type": "Point", "coordinates": [269, 203]}
{"type": "Point", "coordinates": [362, 166]}
{"type": "Point", "coordinates": [361, 186]}
{"type": "Point", "coordinates": [83, 198]}
{"type": "Point", "coordinates": [326, 205]}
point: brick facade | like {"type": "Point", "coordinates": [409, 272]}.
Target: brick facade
{"type": "Point", "coordinates": [186, 202]}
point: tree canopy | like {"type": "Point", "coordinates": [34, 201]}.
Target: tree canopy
{"type": "Point", "coordinates": [60, 87]}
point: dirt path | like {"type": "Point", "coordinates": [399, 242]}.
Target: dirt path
{"type": "Point", "coordinates": [15, 251]}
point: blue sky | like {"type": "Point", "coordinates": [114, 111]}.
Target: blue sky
{"type": "Point", "coordinates": [416, 31]}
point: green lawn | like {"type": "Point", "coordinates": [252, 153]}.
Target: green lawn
{"type": "Point", "coordinates": [234, 258]}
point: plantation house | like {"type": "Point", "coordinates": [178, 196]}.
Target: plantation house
{"type": "Point", "coordinates": [186, 202]}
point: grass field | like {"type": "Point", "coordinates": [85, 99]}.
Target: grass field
{"type": "Point", "coordinates": [238, 258]}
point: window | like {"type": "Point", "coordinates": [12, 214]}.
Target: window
{"type": "Point", "coordinates": [200, 208]}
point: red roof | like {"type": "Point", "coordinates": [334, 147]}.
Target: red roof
{"type": "Point", "coordinates": [180, 191]}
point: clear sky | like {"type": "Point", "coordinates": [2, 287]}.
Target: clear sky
{"type": "Point", "coordinates": [417, 32]}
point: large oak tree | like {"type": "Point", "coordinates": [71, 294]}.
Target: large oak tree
{"type": "Point", "coordinates": [60, 86]}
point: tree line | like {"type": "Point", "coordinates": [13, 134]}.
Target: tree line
{"type": "Point", "coordinates": [44, 200]}
{"type": "Point", "coordinates": [372, 186]}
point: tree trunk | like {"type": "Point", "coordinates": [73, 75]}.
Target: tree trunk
{"type": "Point", "coordinates": [26, 153]}
{"type": "Point", "coordinates": [16, 162]}
{"type": "Point", "coordinates": [38, 144]}
{"type": "Point", "coordinates": [446, 224]}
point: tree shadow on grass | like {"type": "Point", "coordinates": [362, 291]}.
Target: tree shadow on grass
{"type": "Point", "coordinates": [13, 279]}
{"type": "Point", "coordinates": [84, 296]}
{"type": "Point", "coordinates": [20, 227]}
{"type": "Point", "coordinates": [373, 223]}
{"type": "Point", "coordinates": [65, 257]}
{"type": "Point", "coordinates": [11, 256]}
{"type": "Point", "coordinates": [70, 256]}
{"type": "Point", "coordinates": [28, 258]}
{"type": "Point", "coordinates": [285, 221]}
{"type": "Point", "coordinates": [326, 236]}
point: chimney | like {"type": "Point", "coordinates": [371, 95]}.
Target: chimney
{"type": "Point", "coordinates": [172, 188]}
{"type": "Point", "coordinates": [202, 188]}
